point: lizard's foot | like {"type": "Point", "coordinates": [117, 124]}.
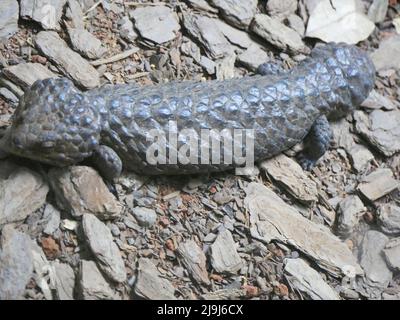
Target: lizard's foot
{"type": "Point", "coordinates": [107, 162]}
{"type": "Point", "coordinates": [316, 143]}
{"type": "Point", "coordinates": [305, 161]}
{"type": "Point", "coordinates": [269, 69]}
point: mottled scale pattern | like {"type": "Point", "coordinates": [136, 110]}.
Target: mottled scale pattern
{"type": "Point", "coordinates": [55, 122]}
{"type": "Point", "coordinates": [58, 124]}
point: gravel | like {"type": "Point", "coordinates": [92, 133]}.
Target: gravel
{"type": "Point", "coordinates": [270, 235]}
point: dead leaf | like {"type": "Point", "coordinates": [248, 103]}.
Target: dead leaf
{"type": "Point", "coordinates": [339, 21]}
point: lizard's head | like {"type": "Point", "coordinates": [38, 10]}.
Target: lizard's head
{"type": "Point", "coordinates": [53, 123]}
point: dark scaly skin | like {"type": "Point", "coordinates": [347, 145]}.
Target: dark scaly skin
{"type": "Point", "coordinates": [55, 123]}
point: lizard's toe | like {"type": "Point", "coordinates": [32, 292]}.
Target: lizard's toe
{"type": "Point", "coordinates": [305, 162]}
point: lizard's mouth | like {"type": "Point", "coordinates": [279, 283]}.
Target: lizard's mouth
{"type": "Point", "coordinates": [12, 145]}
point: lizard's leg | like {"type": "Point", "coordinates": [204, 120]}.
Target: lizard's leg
{"type": "Point", "coordinates": [270, 69]}
{"type": "Point", "coordinates": [316, 143]}
{"type": "Point", "coordinates": [107, 162]}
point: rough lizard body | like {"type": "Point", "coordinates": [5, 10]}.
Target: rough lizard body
{"type": "Point", "coordinates": [57, 124]}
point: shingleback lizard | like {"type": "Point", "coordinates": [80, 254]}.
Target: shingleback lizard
{"type": "Point", "coordinates": [57, 124]}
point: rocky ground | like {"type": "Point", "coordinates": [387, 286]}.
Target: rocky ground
{"type": "Point", "coordinates": [282, 233]}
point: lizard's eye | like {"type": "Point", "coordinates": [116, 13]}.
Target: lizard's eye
{"type": "Point", "coordinates": [48, 144]}
{"type": "Point", "coordinates": [17, 142]}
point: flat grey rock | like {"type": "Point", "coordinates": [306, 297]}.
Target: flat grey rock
{"type": "Point", "coordinates": [224, 256]}
{"type": "Point", "coordinates": [288, 173]}
{"type": "Point", "coordinates": [338, 21]}
{"type": "Point", "coordinates": [237, 12]}
{"type": "Point", "coordinates": [150, 285]}
{"type": "Point", "coordinates": [101, 243]}
{"type": "Point", "coordinates": [341, 135]}
{"type": "Point", "coordinates": [387, 296]}
{"type": "Point", "coordinates": [297, 24]}
{"type": "Point", "coordinates": [372, 261]}
{"type": "Point", "coordinates": [349, 294]}
{"type": "Point", "coordinates": [202, 5]}
{"type": "Point", "coordinates": [158, 24]}
{"type": "Point", "coordinates": [86, 44]}
{"type": "Point", "coordinates": [225, 67]}
{"type": "Point", "coordinates": [223, 196]}
{"type": "Point", "coordinates": [392, 254]}
{"type": "Point", "coordinates": [16, 263]}
{"type": "Point", "coordinates": [387, 56]}
{"type": "Point", "coordinates": [9, 10]}
{"type": "Point", "coordinates": [272, 219]}
{"type": "Point", "coordinates": [64, 281]}
{"type": "Point", "coordinates": [205, 30]}
{"type": "Point", "coordinates": [25, 74]}
{"type": "Point", "coordinates": [11, 86]}
{"type": "Point", "coordinates": [309, 281]}
{"type": "Point", "coordinates": [145, 216]}
{"type": "Point", "coordinates": [190, 49]}
{"type": "Point", "coordinates": [22, 192]}
{"type": "Point", "coordinates": [42, 271]}
{"type": "Point", "coordinates": [388, 218]}
{"type": "Point", "coordinates": [74, 14]}
{"type": "Point", "coordinates": [71, 225]}
{"type": "Point", "coordinates": [208, 64]}
{"type": "Point", "coordinates": [80, 190]}
{"type": "Point", "coordinates": [234, 35]}
{"type": "Point", "coordinates": [194, 261]}
{"type": "Point", "coordinates": [376, 100]}
{"type": "Point", "coordinates": [281, 9]}
{"type": "Point", "coordinates": [92, 285]}
{"type": "Point", "coordinates": [381, 129]}
{"type": "Point", "coordinates": [350, 210]}
{"type": "Point", "coordinates": [360, 157]}
{"type": "Point", "coordinates": [126, 30]}
{"type": "Point", "coordinates": [52, 216]}
{"type": "Point", "coordinates": [113, 6]}
{"type": "Point", "coordinates": [70, 62]}
{"type": "Point", "coordinates": [279, 35]}
{"type": "Point", "coordinates": [378, 183]}
{"type": "Point", "coordinates": [252, 57]}
{"type": "Point", "coordinates": [46, 12]}
{"type": "Point", "coordinates": [8, 95]}
{"type": "Point", "coordinates": [377, 10]}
